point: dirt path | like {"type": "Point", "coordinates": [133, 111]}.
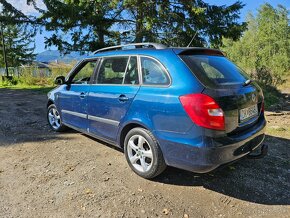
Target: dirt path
{"type": "Point", "coordinates": [45, 174]}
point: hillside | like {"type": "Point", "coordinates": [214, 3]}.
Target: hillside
{"type": "Point", "coordinates": [53, 56]}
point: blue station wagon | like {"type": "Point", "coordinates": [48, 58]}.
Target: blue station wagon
{"type": "Point", "coordinates": [189, 108]}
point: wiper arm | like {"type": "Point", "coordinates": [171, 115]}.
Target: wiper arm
{"type": "Point", "coordinates": [247, 82]}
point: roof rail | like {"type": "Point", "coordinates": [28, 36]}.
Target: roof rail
{"type": "Point", "coordinates": [141, 44]}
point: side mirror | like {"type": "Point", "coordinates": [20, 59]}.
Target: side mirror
{"type": "Point", "coordinates": [60, 80]}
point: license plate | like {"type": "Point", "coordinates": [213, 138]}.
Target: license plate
{"type": "Point", "coordinates": [248, 112]}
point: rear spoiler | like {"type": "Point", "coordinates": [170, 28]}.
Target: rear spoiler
{"type": "Point", "coordinates": [198, 51]}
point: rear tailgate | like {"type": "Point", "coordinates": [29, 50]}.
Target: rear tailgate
{"type": "Point", "coordinates": [239, 98]}
{"type": "Point", "coordinates": [242, 106]}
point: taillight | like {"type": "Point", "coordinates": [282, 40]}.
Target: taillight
{"type": "Point", "coordinates": [263, 106]}
{"type": "Point", "coordinates": [203, 110]}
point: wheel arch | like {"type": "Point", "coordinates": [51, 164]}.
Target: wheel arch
{"type": "Point", "coordinates": [126, 128]}
{"type": "Point", "coordinates": [49, 102]}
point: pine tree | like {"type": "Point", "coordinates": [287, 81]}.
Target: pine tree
{"type": "Point", "coordinates": [18, 42]}
{"type": "Point", "coordinates": [79, 25]}
{"type": "Point", "coordinates": [176, 22]}
{"type": "Point", "coordinates": [18, 36]}
{"type": "Point", "coordinates": [86, 25]}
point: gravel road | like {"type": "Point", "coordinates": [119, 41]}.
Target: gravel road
{"type": "Point", "coordinates": [47, 174]}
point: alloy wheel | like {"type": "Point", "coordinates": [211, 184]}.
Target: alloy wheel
{"type": "Point", "coordinates": [140, 153]}
{"type": "Point", "coordinates": [54, 118]}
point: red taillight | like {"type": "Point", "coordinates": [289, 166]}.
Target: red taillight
{"type": "Point", "coordinates": [263, 106]}
{"type": "Point", "coordinates": [203, 110]}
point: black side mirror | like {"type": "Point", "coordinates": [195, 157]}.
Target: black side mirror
{"type": "Point", "coordinates": [60, 80]}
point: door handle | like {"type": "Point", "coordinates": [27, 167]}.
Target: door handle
{"type": "Point", "coordinates": [123, 98]}
{"type": "Point", "coordinates": [82, 95]}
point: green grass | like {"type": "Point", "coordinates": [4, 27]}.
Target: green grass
{"type": "Point", "coordinates": [283, 132]}
{"type": "Point", "coordinates": [271, 94]}
{"type": "Point", "coordinates": [41, 89]}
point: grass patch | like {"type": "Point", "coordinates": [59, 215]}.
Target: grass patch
{"type": "Point", "coordinates": [271, 94]}
{"type": "Point", "coordinates": [41, 89]}
{"type": "Point", "coordinates": [279, 131]}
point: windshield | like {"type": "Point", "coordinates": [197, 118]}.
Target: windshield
{"type": "Point", "coordinates": [214, 70]}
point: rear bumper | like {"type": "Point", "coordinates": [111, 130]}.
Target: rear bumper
{"type": "Point", "coordinates": [211, 153]}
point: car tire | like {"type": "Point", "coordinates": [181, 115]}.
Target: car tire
{"type": "Point", "coordinates": [54, 119]}
{"type": "Point", "coordinates": [143, 153]}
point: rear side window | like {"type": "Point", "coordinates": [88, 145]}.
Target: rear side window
{"type": "Point", "coordinates": [214, 70]}
{"type": "Point", "coordinates": [153, 73]}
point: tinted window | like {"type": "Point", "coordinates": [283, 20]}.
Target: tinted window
{"type": "Point", "coordinates": [216, 70]}
{"type": "Point", "coordinates": [153, 73]}
{"type": "Point", "coordinates": [131, 76]}
{"type": "Point", "coordinates": [84, 74]}
{"type": "Point", "coordinates": [112, 70]}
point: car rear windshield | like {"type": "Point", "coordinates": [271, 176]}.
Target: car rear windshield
{"type": "Point", "coordinates": [214, 70]}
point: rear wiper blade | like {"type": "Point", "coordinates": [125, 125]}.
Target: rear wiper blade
{"type": "Point", "coordinates": [247, 82]}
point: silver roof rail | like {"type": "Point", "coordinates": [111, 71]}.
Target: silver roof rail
{"type": "Point", "coordinates": [141, 44]}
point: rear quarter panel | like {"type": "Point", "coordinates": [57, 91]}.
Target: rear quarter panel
{"type": "Point", "coordinates": [158, 107]}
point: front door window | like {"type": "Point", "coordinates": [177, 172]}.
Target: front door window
{"type": "Point", "coordinates": [83, 76]}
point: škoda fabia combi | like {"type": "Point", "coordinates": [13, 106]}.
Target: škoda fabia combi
{"type": "Point", "coordinates": [189, 108]}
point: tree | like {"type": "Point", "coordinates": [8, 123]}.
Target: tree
{"type": "Point", "coordinates": [18, 42]}
{"type": "Point", "coordinates": [17, 36]}
{"type": "Point", "coordinates": [86, 25]}
{"type": "Point", "coordinates": [265, 45]}
{"type": "Point", "coordinates": [176, 22]}
{"type": "Point", "coordinates": [79, 25]}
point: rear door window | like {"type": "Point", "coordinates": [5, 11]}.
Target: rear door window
{"type": "Point", "coordinates": [112, 70]}
{"type": "Point", "coordinates": [118, 70]}
{"type": "Point", "coordinates": [214, 70]}
{"type": "Point", "coordinates": [131, 75]}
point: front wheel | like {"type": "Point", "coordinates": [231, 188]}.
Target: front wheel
{"type": "Point", "coordinates": [143, 153]}
{"type": "Point", "coordinates": [54, 119]}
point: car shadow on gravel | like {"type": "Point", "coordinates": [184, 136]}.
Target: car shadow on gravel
{"type": "Point", "coordinates": [263, 181]}
{"type": "Point", "coordinates": [9, 137]}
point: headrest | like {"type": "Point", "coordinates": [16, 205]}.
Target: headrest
{"type": "Point", "coordinates": [119, 65]}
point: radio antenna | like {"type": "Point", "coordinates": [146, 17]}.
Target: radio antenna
{"type": "Point", "coordinates": [191, 39]}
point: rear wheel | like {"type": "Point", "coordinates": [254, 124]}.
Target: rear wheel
{"type": "Point", "coordinates": [54, 119]}
{"type": "Point", "coordinates": [143, 153]}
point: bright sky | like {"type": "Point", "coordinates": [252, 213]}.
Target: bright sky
{"type": "Point", "coordinates": [21, 4]}
{"type": "Point", "coordinates": [250, 5]}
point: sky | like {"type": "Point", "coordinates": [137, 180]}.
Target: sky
{"type": "Point", "coordinates": [250, 6]}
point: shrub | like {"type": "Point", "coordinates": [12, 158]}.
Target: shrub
{"type": "Point", "coordinates": [264, 76]}
{"type": "Point", "coordinates": [268, 82]}
{"type": "Point", "coordinates": [9, 81]}
{"type": "Point", "coordinates": [34, 76]}
{"type": "Point", "coordinates": [271, 94]}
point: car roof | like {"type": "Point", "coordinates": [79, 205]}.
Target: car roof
{"type": "Point", "coordinates": [153, 51]}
